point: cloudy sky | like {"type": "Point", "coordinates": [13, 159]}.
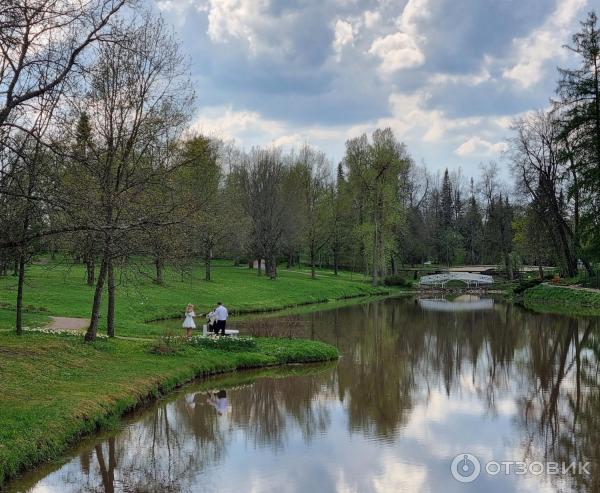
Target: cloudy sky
{"type": "Point", "coordinates": [447, 75]}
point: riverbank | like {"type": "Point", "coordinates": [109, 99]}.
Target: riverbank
{"type": "Point", "coordinates": [57, 389]}
{"type": "Point", "coordinates": [566, 300]}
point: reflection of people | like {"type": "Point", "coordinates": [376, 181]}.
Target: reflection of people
{"type": "Point", "coordinates": [218, 401]}
{"type": "Point", "coordinates": [188, 323]}
{"type": "Point", "coordinates": [221, 313]}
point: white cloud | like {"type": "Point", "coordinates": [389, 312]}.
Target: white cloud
{"type": "Point", "coordinates": [414, 12]}
{"type": "Point", "coordinates": [400, 476]}
{"type": "Point", "coordinates": [481, 147]}
{"type": "Point", "coordinates": [411, 113]}
{"type": "Point", "coordinates": [465, 79]}
{"type": "Point", "coordinates": [234, 19]}
{"type": "Point", "coordinates": [401, 50]}
{"type": "Point", "coordinates": [371, 18]}
{"type": "Point", "coordinates": [344, 34]}
{"type": "Point", "coordinates": [249, 128]}
{"type": "Point", "coordinates": [288, 140]}
{"type": "Point", "coordinates": [397, 51]}
{"type": "Point", "coordinates": [225, 123]}
{"type": "Point", "coordinates": [473, 79]}
{"type": "Point", "coordinates": [251, 22]}
{"type": "Point", "coordinates": [543, 44]}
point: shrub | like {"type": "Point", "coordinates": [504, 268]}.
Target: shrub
{"type": "Point", "coordinates": [526, 284]}
{"type": "Point", "coordinates": [397, 281]}
{"type": "Point", "coordinates": [168, 343]}
{"type": "Point", "coordinates": [224, 343]}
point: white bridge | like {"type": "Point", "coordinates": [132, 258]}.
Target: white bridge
{"type": "Point", "coordinates": [466, 277]}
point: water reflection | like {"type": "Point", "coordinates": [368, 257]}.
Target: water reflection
{"type": "Point", "coordinates": [414, 388]}
{"type": "Point", "coordinates": [466, 302]}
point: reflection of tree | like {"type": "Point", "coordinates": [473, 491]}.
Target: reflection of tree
{"type": "Point", "coordinates": [395, 353]}
{"type": "Point", "coordinates": [561, 409]}
{"type": "Point", "coordinates": [265, 409]}
{"type": "Point", "coordinates": [170, 444]}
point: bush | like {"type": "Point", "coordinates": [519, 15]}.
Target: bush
{"type": "Point", "coordinates": [397, 281]}
{"type": "Point", "coordinates": [224, 343]}
{"type": "Point", "coordinates": [526, 284]}
{"type": "Point", "coordinates": [168, 343]}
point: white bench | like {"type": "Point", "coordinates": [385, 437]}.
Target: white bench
{"type": "Point", "coordinates": [228, 332]}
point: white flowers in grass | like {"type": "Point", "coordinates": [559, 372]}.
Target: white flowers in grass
{"type": "Point", "coordinates": [60, 332]}
{"type": "Point", "coordinates": [214, 337]}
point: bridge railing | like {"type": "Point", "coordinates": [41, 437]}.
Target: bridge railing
{"type": "Point", "coordinates": [466, 277]}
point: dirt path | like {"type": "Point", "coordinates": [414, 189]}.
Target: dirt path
{"type": "Point", "coordinates": [68, 323]}
{"type": "Point", "coordinates": [574, 287]}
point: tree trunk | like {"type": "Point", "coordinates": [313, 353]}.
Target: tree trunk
{"type": "Point", "coordinates": [158, 262]}
{"type": "Point", "coordinates": [313, 274]}
{"type": "Point", "coordinates": [271, 267]}
{"type": "Point", "coordinates": [110, 316]}
{"type": "Point", "coordinates": [16, 267]}
{"type": "Point", "coordinates": [259, 267]}
{"type": "Point", "coordinates": [207, 267]}
{"type": "Point", "coordinates": [375, 279]}
{"type": "Point", "coordinates": [508, 265]}
{"type": "Point", "coordinates": [541, 269]}
{"type": "Point", "coordinates": [91, 271]}
{"type": "Point", "coordinates": [19, 317]}
{"type": "Point", "coordinates": [335, 262]}
{"type": "Point", "coordinates": [90, 335]}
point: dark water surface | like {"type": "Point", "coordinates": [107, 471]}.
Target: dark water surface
{"type": "Point", "coordinates": [420, 382]}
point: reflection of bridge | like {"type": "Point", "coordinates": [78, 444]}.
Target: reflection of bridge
{"type": "Point", "coordinates": [458, 305]}
{"type": "Point", "coordinates": [468, 278]}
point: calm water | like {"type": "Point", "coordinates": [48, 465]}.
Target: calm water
{"type": "Point", "coordinates": [420, 381]}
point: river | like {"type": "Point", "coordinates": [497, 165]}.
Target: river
{"type": "Point", "coordinates": [430, 395]}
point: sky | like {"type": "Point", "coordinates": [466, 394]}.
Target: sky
{"type": "Point", "coordinates": [448, 76]}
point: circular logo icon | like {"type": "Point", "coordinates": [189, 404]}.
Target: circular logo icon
{"type": "Point", "coordinates": [465, 468]}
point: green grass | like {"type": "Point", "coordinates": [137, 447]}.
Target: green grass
{"type": "Point", "coordinates": [56, 389]}
{"type": "Point", "coordinates": [59, 289]}
{"type": "Point", "coordinates": [556, 299]}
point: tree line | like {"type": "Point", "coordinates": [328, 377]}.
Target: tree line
{"type": "Point", "coordinates": [98, 163]}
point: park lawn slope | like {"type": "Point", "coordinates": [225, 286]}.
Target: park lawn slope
{"type": "Point", "coordinates": [56, 389]}
{"type": "Point", "coordinates": [557, 299]}
{"type": "Point", "coordinates": [58, 288]}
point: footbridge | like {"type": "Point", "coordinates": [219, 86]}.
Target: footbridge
{"type": "Point", "coordinates": [468, 278]}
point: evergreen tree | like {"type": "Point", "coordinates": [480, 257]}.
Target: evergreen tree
{"type": "Point", "coordinates": [447, 205]}
{"type": "Point", "coordinates": [579, 105]}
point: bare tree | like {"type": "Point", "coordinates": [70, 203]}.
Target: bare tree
{"type": "Point", "coordinates": [540, 173]}
{"type": "Point", "coordinates": [41, 43]}
{"type": "Point", "coordinates": [314, 182]}
{"type": "Point", "coordinates": [137, 96]}
{"type": "Point", "coordinates": [259, 180]}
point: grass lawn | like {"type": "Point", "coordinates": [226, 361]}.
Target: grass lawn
{"type": "Point", "coordinates": [59, 289]}
{"type": "Point", "coordinates": [556, 299]}
{"type": "Point", "coordinates": [56, 389]}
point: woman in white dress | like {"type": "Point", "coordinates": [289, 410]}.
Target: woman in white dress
{"type": "Point", "coordinates": [188, 323]}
